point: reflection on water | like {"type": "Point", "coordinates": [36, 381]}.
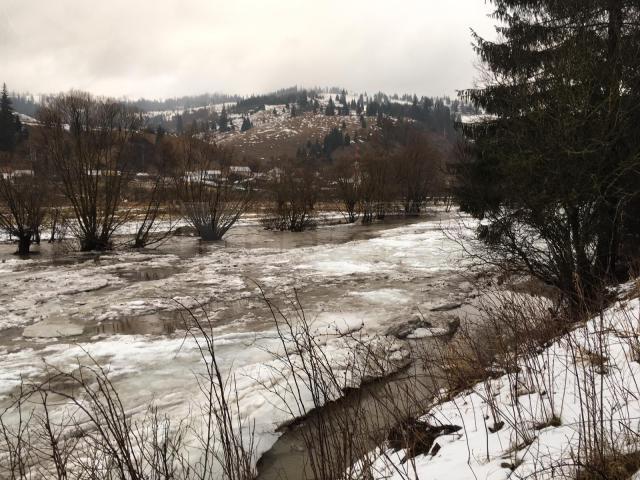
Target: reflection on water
{"type": "Point", "coordinates": [246, 236]}
{"type": "Point", "coordinates": [163, 323]}
{"type": "Point", "coordinates": [148, 274]}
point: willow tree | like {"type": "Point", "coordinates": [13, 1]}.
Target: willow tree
{"type": "Point", "coordinates": [556, 156]}
{"type": "Point", "coordinates": [211, 202]}
{"type": "Point", "coordinates": [346, 176]}
{"type": "Point", "coordinates": [22, 210]}
{"type": "Point", "coordinates": [86, 140]}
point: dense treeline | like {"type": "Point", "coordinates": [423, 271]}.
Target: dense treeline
{"type": "Point", "coordinates": [395, 172]}
{"type": "Point", "coordinates": [553, 168]}
{"type": "Point", "coordinates": [301, 97]}
{"type": "Point", "coordinates": [183, 103]}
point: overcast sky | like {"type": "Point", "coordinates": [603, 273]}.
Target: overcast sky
{"type": "Point", "coordinates": [165, 48]}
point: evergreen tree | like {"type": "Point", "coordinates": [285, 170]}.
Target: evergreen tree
{"type": "Point", "coordinates": [8, 124]}
{"type": "Point", "coordinates": [159, 134]}
{"type": "Point", "coordinates": [564, 119]}
{"type": "Point", "coordinates": [303, 100]}
{"type": "Point", "coordinates": [360, 105]}
{"type": "Point", "coordinates": [373, 108]}
{"type": "Point", "coordinates": [331, 108]}
{"type": "Point", "coordinates": [246, 124]}
{"type": "Point", "coordinates": [223, 120]}
{"type": "Point", "coordinates": [179, 125]}
{"type": "Point", "coordinates": [332, 141]}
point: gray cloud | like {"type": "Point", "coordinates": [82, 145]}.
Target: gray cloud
{"type": "Point", "coordinates": [160, 48]}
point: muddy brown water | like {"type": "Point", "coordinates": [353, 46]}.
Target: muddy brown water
{"type": "Point", "coordinates": [286, 460]}
{"type": "Point", "coordinates": [379, 405]}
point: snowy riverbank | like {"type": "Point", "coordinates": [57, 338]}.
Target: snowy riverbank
{"type": "Point", "coordinates": [548, 417]}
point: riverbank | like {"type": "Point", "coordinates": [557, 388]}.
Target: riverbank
{"type": "Point", "coordinates": [566, 409]}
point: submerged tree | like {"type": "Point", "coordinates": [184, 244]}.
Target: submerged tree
{"type": "Point", "coordinates": [294, 191]}
{"type": "Point", "coordinates": [22, 207]}
{"type": "Point", "coordinates": [211, 202]}
{"type": "Point", "coordinates": [417, 167]}
{"type": "Point", "coordinates": [86, 141]}
{"type": "Point", "coordinates": [149, 231]}
{"type": "Point", "coordinates": [556, 156]}
{"type": "Point", "coordinates": [348, 188]}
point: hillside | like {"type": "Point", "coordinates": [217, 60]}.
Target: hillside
{"type": "Point", "coordinates": [280, 135]}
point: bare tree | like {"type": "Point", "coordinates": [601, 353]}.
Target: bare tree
{"type": "Point", "coordinates": [376, 185]}
{"type": "Point", "coordinates": [21, 207]}
{"type": "Point", "coordinates": [149, 231]}
{"type": "Point", "coordinates": [348, 188]}
{"type": "Point", "coordinates": [295, 191]}
{"type": "Point", "coordinates": [85, 139]}
{"type": "Point", "coordinates": [211, 202]}
{"type": "Point", "coordinates": [417, 171]}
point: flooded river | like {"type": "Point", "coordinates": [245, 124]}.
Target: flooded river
{"type": "Point", "coordinates": [124, 307]}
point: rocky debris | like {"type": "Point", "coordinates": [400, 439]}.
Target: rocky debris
{"type": "Point", "coordinates": [403, 330]}
{"type": "Point", "coordinates": [452, 326]}
{"type": "Point", "coordinates": [420, 328]}
{"type": "Point", "coordinates": [417, 437]}
{"type": "Point", "coordinates": [446, 307]}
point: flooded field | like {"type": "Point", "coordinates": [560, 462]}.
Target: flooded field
{"type": "Point", "coordinates": [126, 308]}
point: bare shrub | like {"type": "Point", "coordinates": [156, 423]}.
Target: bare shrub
{"type": "Point", "coordinates": [348, 183]}
{"type": "Point", "coordinates": [75, 425]}
{"type": "Point", "coordinates": [22, 209]}
{"type": "Point", "coordinates": [344, 409]}
{"type": "Point", "coordinates": [211, 202]}
{"type": "Point", "coordinates": [223, 437]}
{"type": "Point", "coordinates": [148, 231]}
{"type": "Point", "coordinates": [376, 188]}
{"type": "Point", "coordinates": [294, 191]}
{"type": "Point", "coordinates": [417, 168]}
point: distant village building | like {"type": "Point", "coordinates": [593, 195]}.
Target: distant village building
{"type": "Point", "coordinates": [104, 173]}
{"type": "Point", "coordinates": [240, 171]}
{"type": "Point", "coordinates": [17, 173]}
{"type": "Point", "coordinates": [205, 176]}
{"type": "Point", "coordinates": [274, 174]}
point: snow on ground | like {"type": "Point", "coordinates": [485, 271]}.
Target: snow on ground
{"type": "Point", "coordinates": [346, 283]}
{"type": "Point", "coordinates": [588, 379]}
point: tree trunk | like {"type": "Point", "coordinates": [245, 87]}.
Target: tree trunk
{"type": "Point", "coordinates": [89, 244]}
{"type": "Point", "coordinates": [54, 224]}
{"type": "Point", "coordinates": [24, 244]}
